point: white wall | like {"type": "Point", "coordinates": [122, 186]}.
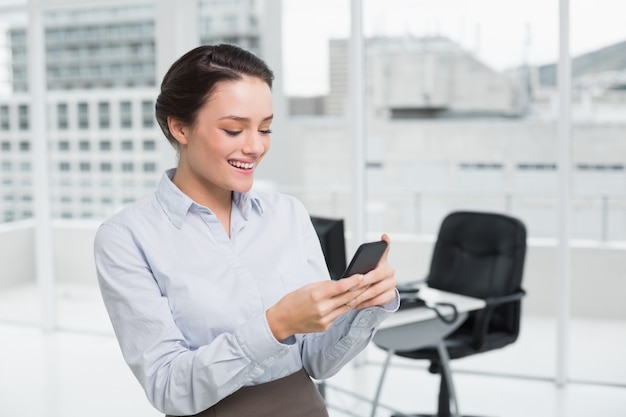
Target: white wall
{"type": "Point", "coordinates": [17, 253]}
{"type": "Point", "coordinates": [598, 270]}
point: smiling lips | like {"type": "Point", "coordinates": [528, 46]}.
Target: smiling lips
{"type": "Point", "coordinates": [242, 165]}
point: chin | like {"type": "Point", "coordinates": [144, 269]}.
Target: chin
{"type": "Point", "coordinates": [243, 188]}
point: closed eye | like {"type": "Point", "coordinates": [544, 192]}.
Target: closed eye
{"type": "Point", "coordinates": [232, 132]}
{"type": "Point", "coordinates": [265, 131]}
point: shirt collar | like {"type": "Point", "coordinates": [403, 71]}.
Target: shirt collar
{"type": "Point", "coordinates": [176, 204]}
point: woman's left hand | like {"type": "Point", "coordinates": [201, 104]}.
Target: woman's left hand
{"type": "Point", "coordinates": [377, 287]}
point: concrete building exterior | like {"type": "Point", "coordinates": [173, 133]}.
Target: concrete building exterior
{"type": "Point", "coordinates": [443, 130]}
{"type": "Point", "coordinates": [105, 148]}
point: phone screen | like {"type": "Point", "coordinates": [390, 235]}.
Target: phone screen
{"type": "Point", "coordinates": [365, 258]}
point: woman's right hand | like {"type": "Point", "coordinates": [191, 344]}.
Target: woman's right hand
{"type": "Point", "coordinates": [314, 307]}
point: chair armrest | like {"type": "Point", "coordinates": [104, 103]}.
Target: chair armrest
{"type": "Point", "coordinates": [494, 301]}
{"type": "Point", "coordinates": [483, 317]}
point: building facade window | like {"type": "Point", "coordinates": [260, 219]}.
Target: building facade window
{"type": "Point", "coordinates": [85, 166]}
{"type": "Point", "coordinates": [149, 145]}
{"type": "Point", "coordinates": [105, 145]}
{"type": "Point", "coordinates": [147, 114]}
{"type": "Point", "coordinates": [104, 116]}
{"type": "Point", "coordinates": [149, 167]}
{"type": "Point", "coordinates": [481, 166]}
{"type": "Point", "coordinates": [128, 166]}
{"type": "Point", "coordinates": [126, 115]}
{"type": "Point", "coordinates": [23, 117]}
{"type": "Point", "coordinates": [24, 146]}
{"type": "Point", "coordinates": [105, 167]}
{"type": "Point", "coordinates": [127, 145]}
{"type": "Point", "coordinates": [62, 116]}
{"type": "Point", "coordinates": [83, 115]}
{"type": "Point", "coordinates": [64, 166]}
{"type": "Point", "coordinates": [5, 146]}
{"type": "Point", "coordinates": [84, 145]}
{"type": "Point", "coordinates": [64, 145]}
{"type": "Point", "coordinates": [5, 118]}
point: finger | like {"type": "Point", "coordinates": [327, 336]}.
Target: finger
{"type": "Point", "coordinates": [380, 300]}
{"type": "Point", "coordinates": [375, 290]}
{"type": "Point", "coordinates": [385, 237]}
{"type": "Point", "coordinates": [348, 284]}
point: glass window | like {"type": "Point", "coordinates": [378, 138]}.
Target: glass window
{"type": "Point", "coordinates": [149, 145]}
{"type": "Point", "coordinates": [126, 114]}
{"type": "Point", "coordinates": [4, 117]}
{"type": "Point", "coordinates": [84, 145]}
{"type": "Point", "coordinates": [62, 116]}
{"type": "Point", "coordinates": [104, 117]}
{"type": "Point", "coordinates": [24, 146]}
{"type": "Point", "coordinates": [105, 145]}
{"type": "Point", "coordinates": [149, 167]}
{"type": "Point", "coordinates": [105, 166]}
{"type": "Point", "coordinates": [64, 145]}
{"type": "Point", "coordinates": [5, 146]}
{"type": "Point", "coordinates": [83, 115]}
{"type": "Point", "coordinates": [23, 116]}
{"type": "Point", "coordinates": [128, 166]}
{"type": "Point", "coordinates": [64, 166]}
{"type": "Point", "coordinates": [147, 114]}
{"type": "Point", "coordinates": [127, 145]}
{"type": "Point", "coordinates": [85, 166]}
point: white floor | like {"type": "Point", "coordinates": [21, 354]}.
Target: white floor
{"type": "Point", "coordinates": [78, 371]}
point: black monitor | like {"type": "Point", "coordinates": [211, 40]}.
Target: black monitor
{"type": "Point", "coordinates": [331, 235]}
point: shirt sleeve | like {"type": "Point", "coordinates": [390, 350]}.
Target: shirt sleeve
{"type": "Point", "coordinates": [176, 379]}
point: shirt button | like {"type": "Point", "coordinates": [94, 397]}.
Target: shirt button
{"type": "Point", "coordinates": [362, 321]}
{"type": "Point", "coordinates": [368, 311]}
{"type": "Point", "coordinates": [350, 341]}
{"type": "Point", "coordinates": [271, 359]}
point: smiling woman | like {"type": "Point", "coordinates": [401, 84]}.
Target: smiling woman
{"type": "Point", "coordinates": [219, 295]}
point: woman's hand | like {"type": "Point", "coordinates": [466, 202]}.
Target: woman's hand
{"type": "Point", "coordinates": [378, 286]}
{"type": "Point", "coordinates": [314, 307]}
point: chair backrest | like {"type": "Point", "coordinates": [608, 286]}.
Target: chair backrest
{"type": "Point", "coordinates": [482, 255]}
{"type": "Point", "coordinates": [479, 254]}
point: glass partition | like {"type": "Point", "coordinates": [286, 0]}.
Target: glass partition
{"type": "Point", "coordinates": [461, 113]}
{"type": "Point", "coordinates": [598, 43]}
{"type": "Point", "coordinates": [19, 294]}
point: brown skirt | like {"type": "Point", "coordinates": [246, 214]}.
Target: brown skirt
{"type": "Point", "coordinates": [292, 396]}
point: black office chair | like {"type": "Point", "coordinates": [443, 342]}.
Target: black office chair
{"type": "Point", "coordinates": [479, 255]}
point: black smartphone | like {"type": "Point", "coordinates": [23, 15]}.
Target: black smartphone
{"type": "Point", "coordinates": [365, 258]}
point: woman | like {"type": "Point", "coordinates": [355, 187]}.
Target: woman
{"type": "Point", "coordinates": [219, 295]}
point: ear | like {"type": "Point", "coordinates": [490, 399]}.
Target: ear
{"type": "Point", "coordinates": [178, 130]}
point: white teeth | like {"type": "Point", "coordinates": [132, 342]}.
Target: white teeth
{"type": "Point", "coordinates": [244, 165]}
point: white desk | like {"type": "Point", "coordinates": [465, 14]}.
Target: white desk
{"type": "Point", "coordinates": [419, 327]}
{"type": "Point", "coordinates": [415, 315]}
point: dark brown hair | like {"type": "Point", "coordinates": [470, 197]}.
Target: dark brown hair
{"type": "Point", "coordinates": [189, 82]}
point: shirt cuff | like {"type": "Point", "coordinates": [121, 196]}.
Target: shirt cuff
{"type": "Point", "coordinates": [258, 342]}
{"type": "Point", "coordinates": [393, 305]}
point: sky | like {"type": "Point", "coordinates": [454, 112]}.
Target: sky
{"type": "Point", "coordinates": [502, 33]}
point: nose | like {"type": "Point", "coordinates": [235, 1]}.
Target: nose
{"type": "Point", "coordinates": [255, 144]}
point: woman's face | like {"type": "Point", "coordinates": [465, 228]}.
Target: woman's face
{"type": "Point", "coordinates": [221, 151]}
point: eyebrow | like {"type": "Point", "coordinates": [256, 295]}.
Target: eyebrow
{"type": "Point", "coordinates": [245, 119]}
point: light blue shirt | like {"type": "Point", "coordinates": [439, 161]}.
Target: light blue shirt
{"type": "Point", "coordinates": [188, 303]}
